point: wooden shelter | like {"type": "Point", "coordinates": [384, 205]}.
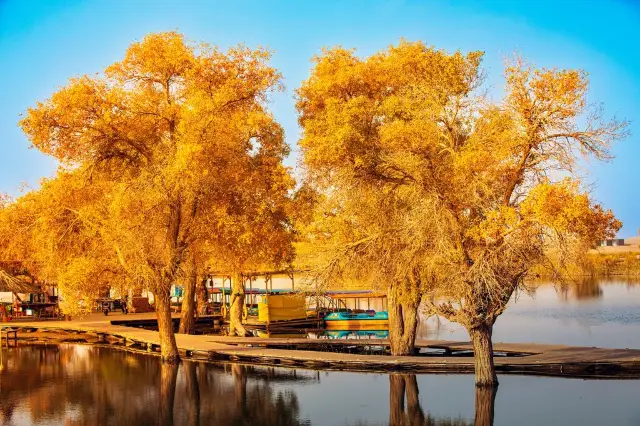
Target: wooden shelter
{"type": "Point", "coordinates": [15, 279]}
{"type": "Point", "coordinates": [222, 295]}
{"type": "Point", "coordinates": [17, 284]}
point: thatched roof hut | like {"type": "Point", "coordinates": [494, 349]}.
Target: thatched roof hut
{"type": "Point", "coordinates": [17, 284]}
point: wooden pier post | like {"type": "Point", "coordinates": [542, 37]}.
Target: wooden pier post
{"type": "Point", "coordinates": [7, 333]}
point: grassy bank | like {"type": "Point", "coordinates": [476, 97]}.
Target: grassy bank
{"type": "Point", "coordinates": [612, 264]}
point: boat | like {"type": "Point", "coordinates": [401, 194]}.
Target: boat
{"type": "Point", "coordinates": [356, 310]}
{"type": "Point", "coordinates": [362, 320]}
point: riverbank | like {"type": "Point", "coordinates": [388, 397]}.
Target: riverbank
{"type": "Point", "coordinates": [537, 359]}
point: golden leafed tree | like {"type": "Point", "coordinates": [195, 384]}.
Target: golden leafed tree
{"type": "Point", "coordinates": [364, 123]}
{"type": "Point", "coordinates": [176, 135]}
{"type": "Point", "coordinates": [54, 232]}
{"type": "Point", "coordinates": [449, 198]}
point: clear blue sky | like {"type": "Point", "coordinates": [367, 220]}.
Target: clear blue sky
{"type": "Point", "coordinates": [43, 43]}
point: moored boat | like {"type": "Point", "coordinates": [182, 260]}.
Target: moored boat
{"type": "Point", "coordinates": [362, 320]}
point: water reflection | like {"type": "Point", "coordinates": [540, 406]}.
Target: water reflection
{"type": "Point", "coordinates": [168, 380]}
{"type": "Point", "coordinates": [258, 403]}
{"type": "Point", "coordinates": [586, 288]}
{"type": "Point", "coordinates": [485, 405]}
{"type": "Point", "coordinates": [84, 385]}
{"type": "Point", "coordinates": [87, 385]}
{"type": "Point", "coordinates": [192, 393]}
{"type": "Point", "coordinates": [589, 312]}
{"type": "Point", "coordinates": [412, 413]}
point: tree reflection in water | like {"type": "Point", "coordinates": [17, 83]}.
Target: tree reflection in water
{"type": "Point", "coordinates": [485, 404]}
{"type": "Point", "coordinates": [585, 288]}
{"type": "Point", "coordinates": [399, 415]}
{"type": "Point", "coordinates": [168, 379]}
{"type": "Point", "coordinates": [192, 393]}
{"type": "Point", "coordinates": [87, 385]}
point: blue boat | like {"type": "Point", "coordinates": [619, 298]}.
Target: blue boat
{"type": "Point", "coordinates": [347, 320]}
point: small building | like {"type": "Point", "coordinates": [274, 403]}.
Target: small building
{"type": "Point", "coordinates": [610, 242]}
{"type": "Point", "coordinates": [24, 294]}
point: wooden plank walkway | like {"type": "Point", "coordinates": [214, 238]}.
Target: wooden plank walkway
{"type": "Point", "coordinates": [444, 345]}
{"type": "Point", "coordinates": [557, 360]}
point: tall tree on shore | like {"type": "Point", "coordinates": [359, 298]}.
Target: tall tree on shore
{"type": "Point", "coordinates": [454, 198]}
{"type": "Point", "coordinates": [517, 202]}
{"type": "Point", "coordinates": [173, 130]}
{"type": "Point", "coordinates": [362, 122]}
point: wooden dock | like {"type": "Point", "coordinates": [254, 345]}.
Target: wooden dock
{"type": "Point", "coordinates": [538, 359]}
{"type": "Point", "coordinates": [8, 334]}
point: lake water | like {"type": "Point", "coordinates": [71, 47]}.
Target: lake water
{"type": "Point", "coordinates": [601, 313]}
{"type": "Point", "coordinates": [90, 385]}
{"type": "Point", "coordinates": [86, 385]}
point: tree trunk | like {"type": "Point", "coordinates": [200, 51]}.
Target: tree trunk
{"type": "Point", "coordinates": [396, 400]}
{"type": "Point", "coordinates": [193, 393]}
{"type": "Point", "coordinates": [168, 346]}
{"type": "Point", "coordinates": [403, 320]}
{"type": "Point", "coordinates": [130, 295]}
{"type": "Point", "coordinates": [168, 378]}
{"type": "Point", "coordinates": [485, 403]}
{"type": "Point", "coordinates": [237, 307]}
{"type": "Point", "coordinates": [203, 296]}
{"type": "Point", "coordinates": [187, 319]}
{"type": "Point", "coordinates": [483, 355]}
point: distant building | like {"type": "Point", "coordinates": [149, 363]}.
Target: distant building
{"type": "Point", "coordinates": [611, 242]}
